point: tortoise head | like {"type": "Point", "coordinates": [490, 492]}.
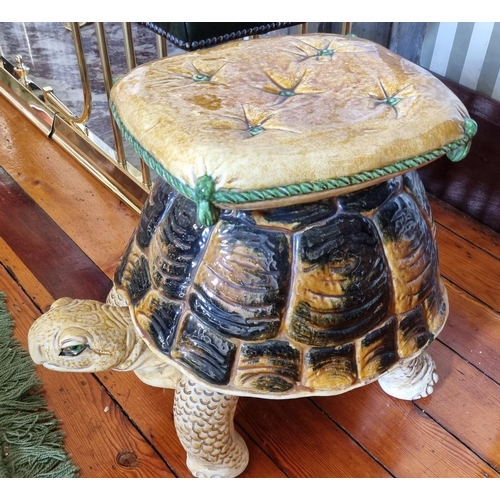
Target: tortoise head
{"type": "Point", "coordinates": [81, 335]}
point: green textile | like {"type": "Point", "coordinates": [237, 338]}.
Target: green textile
{"type": "Point", "coordinates": [31, 441]}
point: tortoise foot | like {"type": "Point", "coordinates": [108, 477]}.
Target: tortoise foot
{"type": "Point", "coordinates": [413, 379]}
{"type": "Point", "coordinates": [204, 424]}
{"type": "Point", "coordinates": [235, 466]}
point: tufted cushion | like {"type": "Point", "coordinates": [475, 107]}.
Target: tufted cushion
{"type": "Point", "coordinates": [282, 120]}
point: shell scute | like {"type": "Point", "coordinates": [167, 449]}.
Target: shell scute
{"type": "Point", "coordinates": [155, 208]}
{"type": "Point", "coordinates": [410, 249]}
{"type": "Point", "coordinates": [342, 288]}
{"type": "Point", "coordinates": [177, 249]}
{"type": "Point", "coordinates": [295, 216]}
{"type": "Point", "coordinates": [378, 350]}
{"type": "Point", "coordinates": [271, 366]}
{"type": "Point", "coordinates": [126, 260]}
{"type": "Point", "coordinates": [369, 199]}
{"type": "Point", "coordinates": [137, 279]}
{"type": "Point", "coordinates": [241, 285]}
{"type": "Point", "coordinates": [436, 306]}
{"type": "Point", "coordinates": [415, 187]}
{"type": "Point", "coordinates": [204, 351]}
{"type": "Point", "coordinates": [159, 319]}
{"type": "Point", "coordinates": [414, 331]}
{"type": "Point", "coordinates": [331, 367]}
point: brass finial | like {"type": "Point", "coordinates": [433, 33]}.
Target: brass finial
{"type": "Point", "coordinates": [21, 70]}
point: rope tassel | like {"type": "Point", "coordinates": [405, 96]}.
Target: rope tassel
{"type": "Point", "coordinates": [207, 212]}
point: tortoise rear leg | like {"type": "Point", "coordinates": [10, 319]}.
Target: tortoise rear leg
{"type": "Point", "coordinates": [204, 424]}
{"type": "Point", "coordinates": [412, 379]}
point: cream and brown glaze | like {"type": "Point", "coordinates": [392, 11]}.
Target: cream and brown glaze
{"type": "Point", "coordinates": [311, 299]}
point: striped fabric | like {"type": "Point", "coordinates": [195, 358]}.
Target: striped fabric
{"type": "Point", "coordinates": [466, 53]}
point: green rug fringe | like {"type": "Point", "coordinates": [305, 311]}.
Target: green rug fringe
{"type": "Point", "coordinates": [31, 442]}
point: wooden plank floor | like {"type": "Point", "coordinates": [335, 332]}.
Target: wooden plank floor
{"type": "Point", "coordinates": [61, 234]}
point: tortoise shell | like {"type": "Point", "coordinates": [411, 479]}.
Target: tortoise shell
{"type": "Point", "coordinates": [316, 298]}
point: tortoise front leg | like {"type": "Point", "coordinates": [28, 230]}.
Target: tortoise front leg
{"type": "Point", "coordinates": [412, 379]}
{"type": "Point", "coordinates": [204, 424]}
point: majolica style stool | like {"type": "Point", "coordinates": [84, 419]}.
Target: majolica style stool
{"type": "Point", "coordinates": [287, 248]}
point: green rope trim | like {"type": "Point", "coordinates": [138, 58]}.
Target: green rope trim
{"type": "Point", "coordinates": [31, 442]}
{"type": "Point", "coordinates": [228, 196]}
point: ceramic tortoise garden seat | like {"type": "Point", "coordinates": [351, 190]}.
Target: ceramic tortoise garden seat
{"type": "Point", "coordinates": [287, 248]}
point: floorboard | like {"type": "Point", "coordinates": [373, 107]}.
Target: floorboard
{"type": "Point", "coordinates": [53, 258]}
{"type": "Point", "coordinates": [408, 441]}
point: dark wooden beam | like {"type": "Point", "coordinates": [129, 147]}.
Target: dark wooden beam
{"type": "Point", "coordinates": [46, 250]}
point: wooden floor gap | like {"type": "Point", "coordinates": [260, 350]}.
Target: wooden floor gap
{"type": "Point", "coordinates": [451, 433]}
{"type": "Point", "coordinates": [353, 438]}
{"type": "Point", "coordinates": [256, 443]}
{"type": "Point", "coordinates": [467, 361]}
{"type": "Point", "coordinates": [479, 247]}
{"type": "Point", "coordinates": [134, 424]}
{"type": "Point", "coordinates": [11, 273]}
{"type": "Point", "coordinates": [468, 292]}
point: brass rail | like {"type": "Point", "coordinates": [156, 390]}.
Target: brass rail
{"type": "Point", "coordinates": [128, 41]}
{"type": "Point", "coordinates": [61, 125]}
{"type": "Point", "coordinates": [52, 99]}
{"type": "Point", "coordinates": [108, 83]}
{"type": "Point", "coordinates": [346, 28]}
{"type": "Point", "coordinates": [161, 46]}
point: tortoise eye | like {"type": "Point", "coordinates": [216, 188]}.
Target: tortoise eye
{"type": "Point", "coordinates": [73, 350]}
{"type": "Point", "coordinates": [201, 78]}
{"type": "Point", "coordinates": [73, 341]}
